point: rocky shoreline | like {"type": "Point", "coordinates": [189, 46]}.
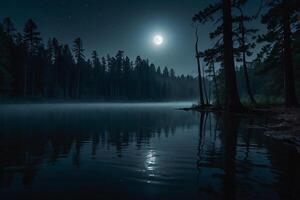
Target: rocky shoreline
{"type": "Point", "coordinates": [284, 124]}
{"type": "Point", "coordinates": [281, 123]}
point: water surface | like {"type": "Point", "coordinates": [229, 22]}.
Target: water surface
{"type": "Point", "coordinates": [139, 151]}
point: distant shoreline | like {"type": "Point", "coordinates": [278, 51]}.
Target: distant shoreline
{"type": "Point", "coordinates": [115, 102]}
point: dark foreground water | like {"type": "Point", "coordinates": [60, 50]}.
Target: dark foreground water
{"type": "Point", "coordinates": [139, 151]}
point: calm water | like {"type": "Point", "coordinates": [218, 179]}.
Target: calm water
{"type": "Point", "coordinates": [139, 151]}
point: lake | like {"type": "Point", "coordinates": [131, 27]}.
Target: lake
{"type": "Point", "coordinates": [139, 151]}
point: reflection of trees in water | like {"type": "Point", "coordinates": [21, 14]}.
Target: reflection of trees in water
{"type": "Point", "coordinates": [236, 162]}
{"type": "Point", "coordinates": [232, 160]}
{"type": "Point", "coordinates": [27, 141]}
{"type": "Point", "coordinates": [217, 151]}
{"type": "Point", "coordinates": [288, 183]}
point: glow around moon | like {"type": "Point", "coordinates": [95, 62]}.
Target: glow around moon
{"type": "Point", "coordinates": [158, 40]}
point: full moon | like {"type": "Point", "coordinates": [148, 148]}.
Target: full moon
{"type": "Point", "coordinates": [158, 40]}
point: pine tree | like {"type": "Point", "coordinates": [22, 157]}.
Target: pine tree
{"type": "Point", "coordinates": [281, 16]}
{"type": "Point", "coordinates": [5, 76]}
{"type": "Point", "coordinates": [245, 47]}
{"type": "Point", "coordinates": [210, 59]}
{"type": "Point", "coordinates": [79, 56]}
{"type": "Point", "coordinates": [8, 27]}
{"type": "Point", "coordinates": [31, 37]}
{"type": "Point", "coordinates": [52, 72]}
{"type": "Point", "coordinates": [232, 100]}
{"type": "Point", "coordinates": [65, 77]}
{"type": "Point", "coordinates": [31, 41]}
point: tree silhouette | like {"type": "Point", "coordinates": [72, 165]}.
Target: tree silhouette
{"type": "Point", "coordinates": [31, 70]}
{"type": "Point", "coordinates": [280, 17]}
{"type": "Point", "coordinates": [245, 47]}
{"type": "Point", "coordinates": [31, 37]}
{"type": "Point", "coordinates": [200, 84]}
{"type": "Point", "coordinates": [5, 77]}
{"type": "Point", "coordinates": [8, 27]}
{"type": "Point", "coordinates": [209, 58]}
{"type": "Point", "coordinates": [78, 52]}
{"type": "Point", "coordinates": [31, 41]}
{"type": "Point", "coordinates": [232, 101]}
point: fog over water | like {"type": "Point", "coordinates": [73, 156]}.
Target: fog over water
{"type": "Point", "coordinates": [139, 151]}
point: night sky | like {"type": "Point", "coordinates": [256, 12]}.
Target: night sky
{"type": "Point", "coordinates": [109, 26]}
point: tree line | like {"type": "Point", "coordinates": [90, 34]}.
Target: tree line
{"type": "Point", "coordinates": [30, 69]}
{"type": "Point", "coordinates": [231, 64]}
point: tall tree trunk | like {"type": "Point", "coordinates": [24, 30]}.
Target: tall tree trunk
{"type": "Point", "coordinates": [248, 86]}
{"type": "Point", "coordinates": [249, 91]}
{"type": "Point", "coordinates": [290, 97]}
{"type": "Point", "coordinates": [232, 100]}
{"type": "Point", "coordinates": [204, 87]}
{"type": "Point", "coordinates": [199, 70]}
{"type": "Point", "coordinates": [209, 89]}
{"type": "Point", "coordinates": [215, 83]}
